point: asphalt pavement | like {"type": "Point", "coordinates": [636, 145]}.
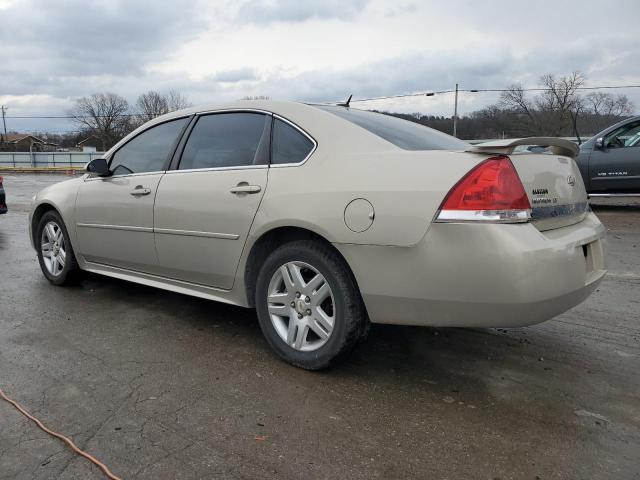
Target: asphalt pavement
{"type": "Point", "coordinates": [159, 385]}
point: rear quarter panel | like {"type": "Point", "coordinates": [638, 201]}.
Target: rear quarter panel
{"type": "Point", "coordinates": [405, 189]}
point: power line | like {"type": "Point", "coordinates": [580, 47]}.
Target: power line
{"type": "Point", "coordinates": [542, 89]}
{"type": "Point", "coordinates": [421, 94]}
{"type": "Point", "coordinates": [477, 90]}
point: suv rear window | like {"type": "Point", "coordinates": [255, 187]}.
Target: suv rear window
{"type": "Point", "coordinates": [402, 133]}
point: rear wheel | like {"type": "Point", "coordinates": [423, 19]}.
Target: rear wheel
{"type": "Point", "coordinates": [308, 303]}
{"type": "Point", "coordinates": [55, 254]}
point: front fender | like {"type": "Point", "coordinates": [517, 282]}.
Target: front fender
{"type": "Point", "coordinates": [60, 197]}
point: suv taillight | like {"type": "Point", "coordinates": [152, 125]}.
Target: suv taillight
{"type": "Point", "coordinates": [491, 192]}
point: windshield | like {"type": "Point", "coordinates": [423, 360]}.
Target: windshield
{"type": "Point", "coordinates": [402, 133]}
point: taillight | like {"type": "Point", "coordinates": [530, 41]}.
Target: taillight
{"type": "Point", "coordinates": [491, 192]}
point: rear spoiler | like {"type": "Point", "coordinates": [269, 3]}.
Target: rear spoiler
{"type": "Point", "coordinates": [558, 146]}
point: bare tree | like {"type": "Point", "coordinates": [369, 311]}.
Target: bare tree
{"type": "Point", "coordinates": [151, 105]}
{"type": "Point", "coordinates": [561, 93]}
{"type": "Point", "coordinates": [607, 105]}
{"type": "Point", "coordinates": [553, 111]}
{"type": "Point", "coordinates": [622, 106]}
{"type": "Point", "coordinates": [560, 103]}
{"type": "Point", "coordinates": [596, 101]}
{"type": "Point", "coordinates": [105, 115]}
{"type": "Point", "coordinates": [177, 101]}
{"type": "Point", "coordinates": [522, 110]}
{"type": "Point", "coordinates": [603, 109]}
{"type": "Point", "coordinates": [514, 98]}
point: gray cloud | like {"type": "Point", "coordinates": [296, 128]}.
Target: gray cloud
{"type": "Point", "coordinates": [410, 73]}
{"type": "Point", "coordinates": [77, 37]}
{"type": "Point", "coordinates": [262, 12]}
{"type": "Point", "coordinates": [235, 75]}
{"type": "Point", "coordinates": [68, 49]}
{"type": "Point", "coordinates": [438, 70]}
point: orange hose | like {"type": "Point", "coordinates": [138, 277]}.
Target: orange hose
{"type": "Point", "coordinates": [66, 440]}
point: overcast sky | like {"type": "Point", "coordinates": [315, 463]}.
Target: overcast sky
{"type": "Point", "coordinates": [54, 51]}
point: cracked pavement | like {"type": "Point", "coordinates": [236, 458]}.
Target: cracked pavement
{"type": "Point", "coordinates": [160, 385]}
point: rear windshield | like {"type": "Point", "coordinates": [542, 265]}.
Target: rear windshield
{"type": "Point", "coordinates": [402, 133]}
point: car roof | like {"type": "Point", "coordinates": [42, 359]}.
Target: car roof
{"type": "Point", "coordinates": [314, 121]}
{"type": "Point", "coordinates": [273, 106]}
{"type": "Point", "coordinates": [325, 127]}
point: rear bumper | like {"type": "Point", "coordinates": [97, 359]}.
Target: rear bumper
{"type": "Point", "coordinates": [472, 275]}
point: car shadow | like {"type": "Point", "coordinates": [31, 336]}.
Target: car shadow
{"type": "Point", "coordinates": [444, 360]}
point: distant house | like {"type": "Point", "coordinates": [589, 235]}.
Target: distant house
{"type": "Point", "coordinates": [24, 142]}
{"type": "Point", "coordinates": [90, 144]}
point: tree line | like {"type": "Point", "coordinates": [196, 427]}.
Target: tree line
{"type": "Point", "coordinates": [109, 117]}
{"type": "Point", "coordinates": [558, 109]}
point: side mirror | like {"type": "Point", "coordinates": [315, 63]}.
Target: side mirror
{"type": "Point", "coordinates": [98, 166]}
{"type": "Point", "coordinates": [600, 143]}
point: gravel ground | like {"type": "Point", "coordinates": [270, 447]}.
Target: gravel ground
{"type": "Point", "coordinates": [160, 385]}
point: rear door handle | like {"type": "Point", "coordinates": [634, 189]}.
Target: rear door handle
{"type": "Point", "coordinates": [245, 188]}
{"type": "Point", "coordinates": [139, 191]}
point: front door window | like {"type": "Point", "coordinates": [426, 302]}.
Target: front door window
{"type": "Point", "coordinates": [149, 151]}
{"type": "Point", "coordinates": [624, 137]}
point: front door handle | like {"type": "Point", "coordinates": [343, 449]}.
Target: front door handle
{"type": "Point", "coordinates": [243, 187]}
{"type": "Point", "coordinates": [139, 191]}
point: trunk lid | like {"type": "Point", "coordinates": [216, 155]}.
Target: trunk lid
{"type": "Point", "coordinates": [552, 180]}
{"type": "Point", "coordinates": [555, 189]}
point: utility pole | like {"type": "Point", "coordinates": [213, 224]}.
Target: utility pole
{"type": "Point", "coordinates": [455, 114]}
{"type": "Point", "coordinates": [4, 123]}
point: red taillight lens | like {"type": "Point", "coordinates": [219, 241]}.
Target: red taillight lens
{"type": "Point", "coordinates": [492, 191]}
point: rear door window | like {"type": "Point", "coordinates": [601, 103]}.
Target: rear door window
{"type": "Point", "coordinates": [288, 144]}
{"type": "Point", "coordinates": [226, 140]}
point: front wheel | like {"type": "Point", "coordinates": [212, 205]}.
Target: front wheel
{"type": "Point", "coordinates": [309, 306]}
{"type": "Point", "coordinates": [56, 257]}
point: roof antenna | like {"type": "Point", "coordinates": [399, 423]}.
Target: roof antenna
{"type": "Point", "coordinates": [346, 104]}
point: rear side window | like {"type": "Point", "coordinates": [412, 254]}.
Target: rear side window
{"type": "Point", "coordinates": [149, 151]}
{"type": "Point", "coordinates": [224, 140]}
{"type": "Point", "coordinates": [402, 133]}
{"type": "Point", "coordinates": [288, 144]}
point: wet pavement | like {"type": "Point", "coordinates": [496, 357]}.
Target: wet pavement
{"type": "Point", "coordinates": [160, 385]}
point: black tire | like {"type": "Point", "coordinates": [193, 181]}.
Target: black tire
{"type": "Point", "coordinates": [350, 318]}
{"type": "Point", "coordinates": [70, 271]}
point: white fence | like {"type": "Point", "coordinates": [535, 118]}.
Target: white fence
{"type": "Point", "coordinates": [47, 159]}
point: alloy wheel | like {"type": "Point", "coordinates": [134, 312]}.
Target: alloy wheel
{"type": "Point", "coordinates": [301, 306]}
{"type": "Point", "coordinates": [53, 249]}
